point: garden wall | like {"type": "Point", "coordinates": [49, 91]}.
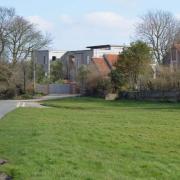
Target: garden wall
{"type": "Point", "coordinates": [57, 88]}
{"type": "Point", "coordinates": [151, 95]}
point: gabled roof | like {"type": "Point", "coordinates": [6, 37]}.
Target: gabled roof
{"type": "Point", "coordinates": [112, 59]}
{"type": "Point", "coordinates": [102, 64]}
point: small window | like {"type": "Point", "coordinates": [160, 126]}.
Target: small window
{"type": "Point", "coordinates": [54, 58]}
{"type": "Point", "coordinates": [174, 54]}
{"type": "Point", "coordinates": [78, 64]}
{"type": "Point", "coordinates": [44, 59]}
{"type": "Point", "coordinates": [88, 60]}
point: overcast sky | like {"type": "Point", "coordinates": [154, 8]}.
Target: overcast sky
{"type": "Point", "coordinates": [75, 24]}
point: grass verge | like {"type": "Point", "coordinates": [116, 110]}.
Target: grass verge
{"type": "Point", "coordinates": [87, 138]}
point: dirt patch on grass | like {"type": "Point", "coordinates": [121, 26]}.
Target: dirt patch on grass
{"type": "Point", "coordinates": [4, 176]}
{"type": "Point", "coordinates": [3, 161]}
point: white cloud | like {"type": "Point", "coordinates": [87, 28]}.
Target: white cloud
{"type": "Point", "coordinates": [111, 20]}
{"type": "Point", "coordinates": [98, 20]}
{"type": "Point", "coordinates": [41, 23]}
{"type": "Point", "coordinates": [66, 19]}
{"type": "Point", "coordinates": [177, 16]}
{"type": "Point", "coordinates": [96, 28]}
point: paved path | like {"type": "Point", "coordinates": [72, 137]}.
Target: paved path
{"type": "Point", "coordinates": [9, 105]}
{"type": "Point", "coordinates": [6, 106]}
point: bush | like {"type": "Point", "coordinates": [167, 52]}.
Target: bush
{"type": "Point", "coordinates": [27, 96]}
{"type": "Point", "coordinates": [60, 81]}
{"type": "Point", "coordinates": [30, 89]}
{"type": "Point", "coordinates": [8, 93]}
{"type": "Point", "coordinates": [100, 88]}
{"type": "Point", "coordinates": [166, 80]}
{"type": "Point", "coordinates": [117, 80]}
{"type": "Point", "coordinates": [45, 80]}
{"type": "Point", "coordinates": [104, 87]}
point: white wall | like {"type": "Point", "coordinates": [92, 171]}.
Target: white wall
{"type": "Point", "coordinates": [58, 54]}
{"type": "Point", "coordinates": [97, 53]}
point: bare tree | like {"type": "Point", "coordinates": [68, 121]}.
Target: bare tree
{"type": "Point", "coordinates": [24, 37]}
{"type": "Point", "coordinates": [6, 17]}
{"type": "Point", "coordinates": [22, 40]}
{"type": "Point", "coordinates": [5, 73]}
{"type": "Point", "coordinates": [158, 29]}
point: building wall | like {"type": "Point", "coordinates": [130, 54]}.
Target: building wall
{"type": "Point", "coordinates": [173, 58]}
{"type": "Point", "coordinates": [98, 53]}
{"type": "Point", "coordinates": [56, 54]}
{"type": "Point", "coordinates": [73, 60]}
{"type": "Point", "coordinates": [41, 57]}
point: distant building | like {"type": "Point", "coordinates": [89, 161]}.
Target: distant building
{"type": "Point", "coordinates": [56, 55]}
{"type": "Point", "coordinates": [101, 56]}
{"type": "Point", "coordinates": [41, 57]}
{"type": "Point", "coordinates": [173, 57]}
{"type": "Point", "coordinates": [101, 50]}
{"type": "Point", "coordinates": [44, 58]}
{"type": "Point", "coordinates": [72, 60]}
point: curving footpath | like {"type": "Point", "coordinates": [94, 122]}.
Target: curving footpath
{"type": "Point", "coordinates": [7, 106]}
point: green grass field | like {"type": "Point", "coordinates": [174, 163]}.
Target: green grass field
{"type": "Point", "coordinates": [92, 139]}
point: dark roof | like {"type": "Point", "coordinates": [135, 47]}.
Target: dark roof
{"type": "Point", "coordinates": [104, 46]}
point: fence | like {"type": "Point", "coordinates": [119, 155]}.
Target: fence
{"type": "Point", "coordinates": [152, 95]}
{"type": "Point", "coordinates": [57, 88]}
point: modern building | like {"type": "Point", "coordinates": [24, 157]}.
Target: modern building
{"type": "Point", "coordinates": [173, 57]}
{"type": "Point", "coordinates": [44, 58]}
{"type": "Point", "coordinates": [102, 56]}
{"type": "Point", "coordinates": [101, 50]}
{"type": "Point", "coordinates": [56, 55]}
{"type": "Point", "coordinates": [98, 55]}
{"type": "Point", "coordinates": [41, 57]}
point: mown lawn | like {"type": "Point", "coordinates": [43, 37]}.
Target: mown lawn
{"type": "Point", "coordinates": [92, 139]}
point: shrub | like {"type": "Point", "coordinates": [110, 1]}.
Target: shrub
{"type": "Point", "coordinates": [7, 93]}
{"type": "Point", "coordinates": [60, 81]}
{"type": "Point", "coordinates": [99, 88]}
{"type": "Point", "coordinates": [30, 88]}
{"type": "Point", "coordinates": [166, 80]}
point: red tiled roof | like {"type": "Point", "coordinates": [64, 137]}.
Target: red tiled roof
{"type": "Point", "coordinates": [102, 66]}
{"type": "Point", "coordinates": [112, 59]}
